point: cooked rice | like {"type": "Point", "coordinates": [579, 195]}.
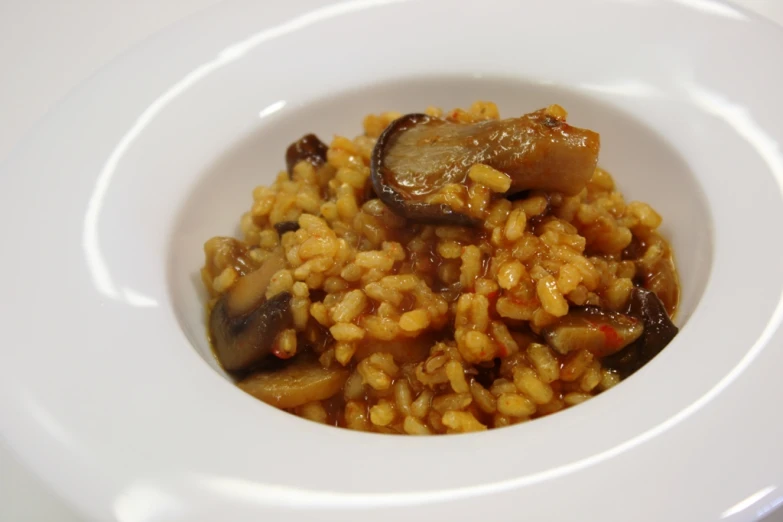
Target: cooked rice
{"type": "Point", "coordinates": [423, 315]}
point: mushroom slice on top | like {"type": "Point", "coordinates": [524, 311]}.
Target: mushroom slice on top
{"type": "Point", "coordinates": [419, 154]}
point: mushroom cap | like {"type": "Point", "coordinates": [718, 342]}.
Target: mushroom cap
{"type": "Point", "coordinates": [417, 154]}
{"type": "Point", "coordinates": [243, 324]}
{"type": "Point", "coordinates": [309, 148]}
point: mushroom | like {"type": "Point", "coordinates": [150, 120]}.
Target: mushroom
{"type": "Point", "coordinates": [286, 226]}
{"type": "Point", "coordinates": [418, 154]}
{"type": "Point", "coordinates": [303, 381]}
{"type": "Point", "coordinates": [243, 324]}
{"type": "Point", "coordinates": [309, 148]}
{"type": "Point", "coordinates": [658, 332]}
{"type": "Point", "coordinates": [600, 332]}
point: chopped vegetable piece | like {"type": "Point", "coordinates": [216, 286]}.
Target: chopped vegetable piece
{"type": "Point", "coordinates": [243, 324]}
{"type": "Point", "coordinates": [418, 154]}
{"type": "Point", "coordinates": [590, 328]}
{"type": "Point", "coordinates": [403, 350]}
{"type": "Point", "coordinates": [309, 148]}
{"type": "Point", "coordinates": [658, 332]}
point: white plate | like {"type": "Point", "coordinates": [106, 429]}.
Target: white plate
{"type": "Point", "coordinates": [105, 207]}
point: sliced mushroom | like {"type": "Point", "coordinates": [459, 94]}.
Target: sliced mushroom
{"type": "Point", "coordinates": [301, 382]}
{"type": "Point", "coordinates": [658, 332]}
{"type": "Point", "coordinates": [418, 154]}
{"type": "Point", "coordinates": [600, 332]}
{"type": "Point", "coordinates": [243, 324]}
{"type": "Point", "coordinates": [286, 226]}
{"type": "Point", "coordinates": [309, 148]}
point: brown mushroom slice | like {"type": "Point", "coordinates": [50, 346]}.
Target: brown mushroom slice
{"type": "Point", "coordinates": [243, 324]}
{"type": "Point", "coordinates": [300, 382]}
{"type": "Point", "coordinates": [404, 350]}
{"type": "Point", "coordinates": [658, 333]}
{"type": "Point", "coordinates": [418, 154]}
{"type": "Point", "coordinates": [600, 332]}
{"type": "Point", "coordinates": [309, 148]}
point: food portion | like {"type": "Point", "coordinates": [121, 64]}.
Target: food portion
{"type": "Point", "coordinates": [658, 332]}
{"type": "Point", "coordinates": [418, 156]}
{"type": "Point", "coordinates": [440, 273]}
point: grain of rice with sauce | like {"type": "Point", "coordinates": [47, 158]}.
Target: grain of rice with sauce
{"type": "Point", "coordinates": [398, 326]}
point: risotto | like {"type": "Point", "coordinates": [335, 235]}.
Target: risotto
{"type": "Point", "coordinates": [440, 273]}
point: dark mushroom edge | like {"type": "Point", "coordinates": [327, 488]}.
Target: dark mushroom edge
{"type": "Point", "coordinates": [658, 333]}
{"type": "Point", "coordinates": [243, 324]}
{"type": "Point", "coordinates": [419, 212]}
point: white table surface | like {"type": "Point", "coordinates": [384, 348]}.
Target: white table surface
{"type": "Point", "coordinates": [48, 47]}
